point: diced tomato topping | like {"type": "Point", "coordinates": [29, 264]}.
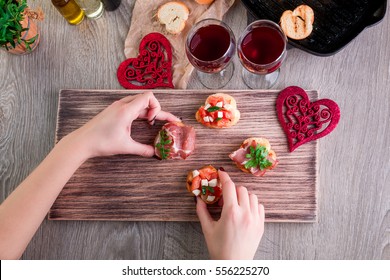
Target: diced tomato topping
{"type": "Point", "coordinates": [207, 173]}
{"type": "Point", "coordinates": [213, 100]}
{"type": "Point", "coordinates": [196, 182]}
{"type": "Point", "coordinates": [226, 115]}
{"type": "Point", "coordinates": [217, 192]}
{"type": "Point", "coordinates": [203, 112]}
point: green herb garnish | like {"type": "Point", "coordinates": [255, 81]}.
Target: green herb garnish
{"type": "Point", "coordinates": [205, 188]}
{"type": "Point", "coordinates": [213, 109]}
{"type": "Point", "coordinates": [164, 140]}
{"type": "Point", "coordinates": [258, 158]}
{"type": "Point", "coordinates": [218, 119]}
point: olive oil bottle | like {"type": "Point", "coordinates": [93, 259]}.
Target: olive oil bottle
{"type": "Point", "coordinates": [69, 10]}
{"type": "Point", "coordinates": [93, 9]}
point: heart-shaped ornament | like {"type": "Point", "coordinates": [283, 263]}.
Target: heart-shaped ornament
{"type": "Point", "coordinates": [304, 121]}
{"type": "Point", "coordinates": [152, 67]}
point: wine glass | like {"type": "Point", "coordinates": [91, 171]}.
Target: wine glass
{"type": "Point", "coordinates": [210, 46]}
{"type": "Point", "coordinates": [261, 50]}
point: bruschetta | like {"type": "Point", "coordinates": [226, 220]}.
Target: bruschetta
{"type": "Point", "coordinates": [255, 156]}
{"type": "Point", "coordinates": [219, 111]}
{"type": "Point", "coordinates": [204, 182]}
{"type": "Point", "coordinates": [175, 141]}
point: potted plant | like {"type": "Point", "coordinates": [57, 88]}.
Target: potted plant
{"type": "Point", "coordinates": [18, 32]}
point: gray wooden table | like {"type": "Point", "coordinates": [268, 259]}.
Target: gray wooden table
{"type": "Point", "coordinates": [354, 161]}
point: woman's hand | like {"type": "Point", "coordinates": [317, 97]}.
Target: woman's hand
{"type": "Point", "coordinates": [237, 234]}
{"type": "Point", "coordinates": [106, 134]}
{"type": "Point", "coordinates": [109, 132]}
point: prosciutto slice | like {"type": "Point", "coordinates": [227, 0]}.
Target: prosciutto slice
{"type": "Point", "coordinates": [181, 141]}
{"type": "Point", "coordinates": [239, 157]}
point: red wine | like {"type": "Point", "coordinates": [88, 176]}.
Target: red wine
{"type": "Point", "coordinates": [263, 45]}
{"type": "Point", "coordinates": [210, 42]}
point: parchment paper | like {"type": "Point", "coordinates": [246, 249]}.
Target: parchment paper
{"type": "Point", "coordinates": [144, 21]}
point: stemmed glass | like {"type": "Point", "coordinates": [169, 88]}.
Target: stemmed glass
{"type": "Point", "coordinates": [261, 50]}
{"type": "Point", "coordinates": [210, 46]}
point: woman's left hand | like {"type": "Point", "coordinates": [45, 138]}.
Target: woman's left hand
{"type": "Point", "coordinates": [109, 132]}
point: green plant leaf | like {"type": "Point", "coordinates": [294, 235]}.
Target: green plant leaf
{"type": "Point", "coordinates": [161, 146]}
{"type": "Point", "coordinates": [11, 14]}
{"type": "Point", "coordinates": [31, 40]}
{"type": "Point", "coordinates": [213, 109]}
{"type": "Point", "coordinates": [257, 158]}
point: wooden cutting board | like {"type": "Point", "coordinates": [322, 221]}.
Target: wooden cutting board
{"type": "Point", "coordinates": [133, 188]}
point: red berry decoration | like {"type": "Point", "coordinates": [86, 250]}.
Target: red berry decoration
{"type": "Point", "coordinates": [304, 121]}
{"type": "Point", "coordinates": [152, 67]}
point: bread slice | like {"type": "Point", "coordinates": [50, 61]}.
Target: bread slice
{"type": "Point", "coordinates": [298, 24]}
{"type": "Point", "coordinates": [227, 99]}
{"type": "Point", "coordinates": [173, 15]}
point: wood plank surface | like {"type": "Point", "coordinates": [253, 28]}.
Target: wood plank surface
{"type": "Point", "coordinates": [127, 187]}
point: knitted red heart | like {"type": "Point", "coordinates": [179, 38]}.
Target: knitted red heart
{"type": "Point", "coordinates": [302, 120]}
{"type": "Point", "coordinates": [152, 67]}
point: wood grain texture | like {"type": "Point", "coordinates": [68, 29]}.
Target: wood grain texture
{"type": "Point", "coordinates": [354, 165]}
{"type": "Point", "coordinates": [144, 189]}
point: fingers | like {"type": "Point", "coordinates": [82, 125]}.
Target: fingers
{"type": "Point", "coordinates": [166, 116]}
{"type": "Point", "coordinates": [140, 149]}
{"type": "Point", "coordinates": [146, 106]}
{"type": "Point", "coordinates": [261, 212]}
{"type": "Point", "coordinates": [239, 195]}
{"type": "Point", "coordinates": [128, 98]}
{"type": "Point", "coordinates": [203, 214]}
{"type": "Point", "coordinates": [228, 189]}
{"type": "Point", "coordinates": [154, 108]}
{"type": "Point", "coordinates": [243, 197]}
{"type": "Point", "coordinates": [254, 203]}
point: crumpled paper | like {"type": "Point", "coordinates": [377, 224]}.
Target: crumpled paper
{"type": "Point", "coordinates": [144, 21]}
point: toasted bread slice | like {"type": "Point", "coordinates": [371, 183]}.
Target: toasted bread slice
{"type": "Point", "coordinates": [229, 104]}
{"type": "Point", "coordinates": [173, 15]}
{"type": "Point", "coordinates": [298, 24]}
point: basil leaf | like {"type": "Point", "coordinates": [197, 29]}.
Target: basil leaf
{"type": "Point", "coordinates": [213, 109]}
{"type": "Point", "coordinates": [211, 189]}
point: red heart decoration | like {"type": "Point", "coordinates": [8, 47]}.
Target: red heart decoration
{"type": "Point", "coordinates": [302, 120]}
{"type": "Point", "coordinates": [152, 67]}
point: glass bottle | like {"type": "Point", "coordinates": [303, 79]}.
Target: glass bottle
{"type": "Point", "coordinates": [111, 5]}
{"type": "Point", "coordinates": [92, 8]}
{"type": "Point", "coordinates": [69, 10]}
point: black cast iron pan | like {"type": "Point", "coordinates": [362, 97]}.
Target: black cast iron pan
{"type": "Point", "coordinates": [336, 22]}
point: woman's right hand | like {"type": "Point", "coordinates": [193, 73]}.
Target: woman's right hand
{"type": "Point", "coordinates": [237, 234]}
